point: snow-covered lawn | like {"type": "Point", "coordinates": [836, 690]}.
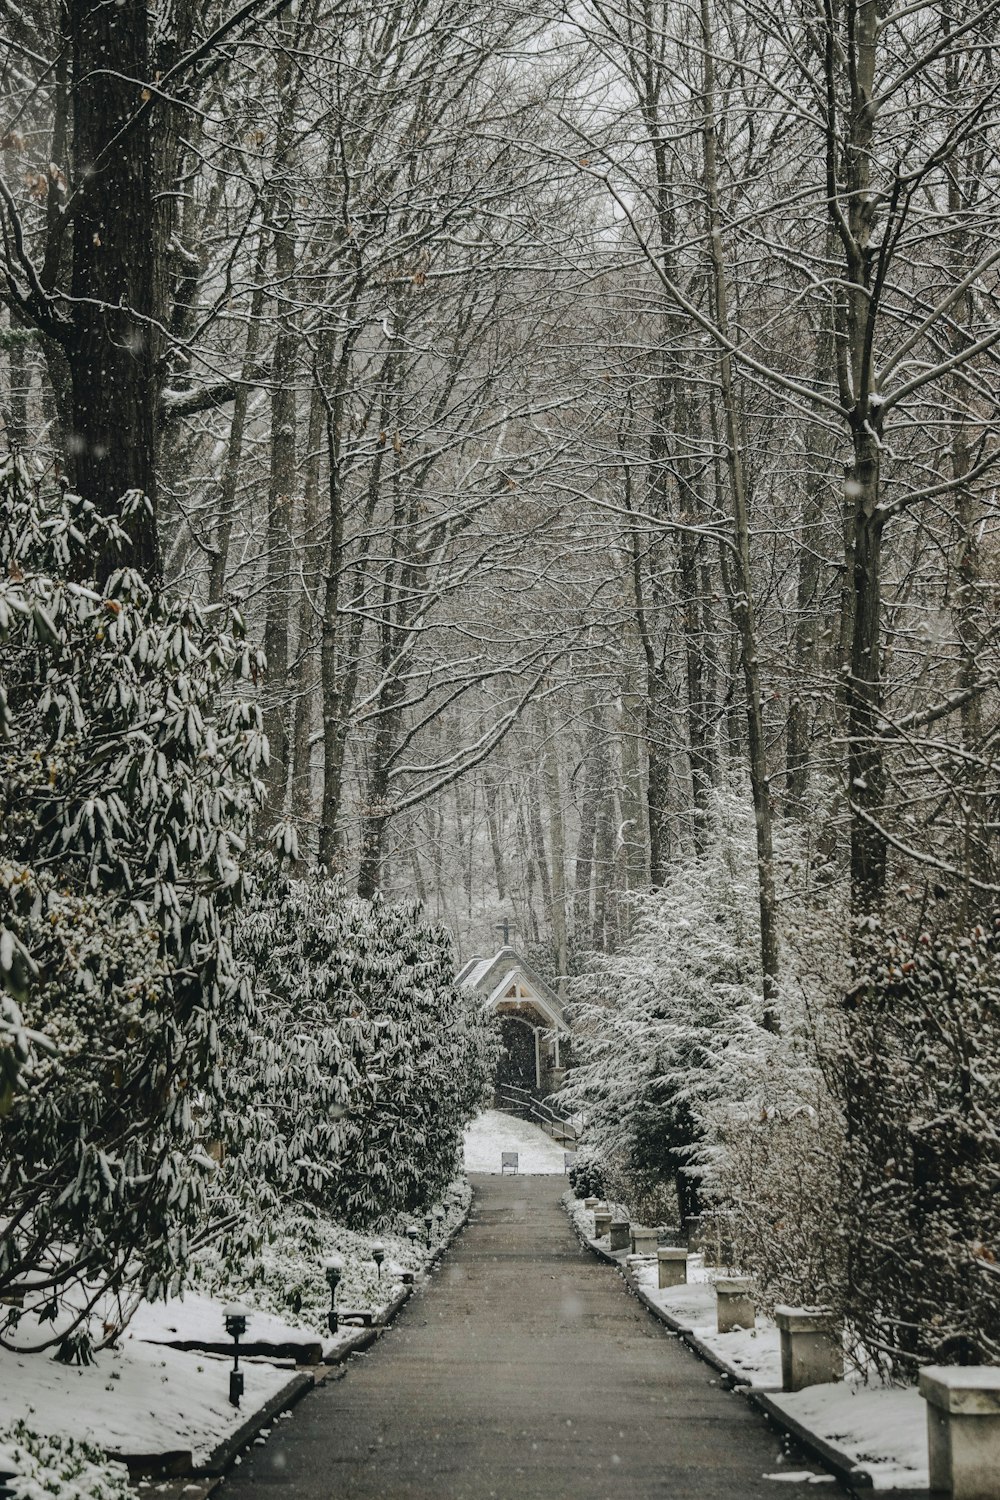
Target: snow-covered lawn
{"type": "Point", "coordinates": [494, 1132]}
{"type": "Point", "coordinates": [196, 1317]}
{"type": "Point", "coordinates": [140, 1398]}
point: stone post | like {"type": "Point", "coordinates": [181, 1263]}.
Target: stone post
{"type": "Point", "coordinates": [811, 1348]}
{"type": "Point", "coordinates": [643, 1240]}
{"type": "Point", "coordinates": [963, 1430]}
{"type": "Point", "coordinates": [602, 1222]}
{"type": "Point", "coordinates": [692, 1228]}
{"type": "Point", "coordinates": [734, 1303]}
{"type": "Point", "coordinates": [620, 1236]}
{"type": "Point", "coordinates": [671, 1266]}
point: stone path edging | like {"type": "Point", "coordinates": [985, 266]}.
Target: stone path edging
{"type": "Point", "coordinates": [854, 1477]}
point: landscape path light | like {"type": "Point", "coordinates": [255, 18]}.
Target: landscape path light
{"type": "Point", "coordinates": [378, 1256]}
{"type": "Point", "coordinates": [411, 1233]}
{"type": "Point", "coordinates": [236, 1326]}
{"type": "Point", "coordinates": [333, 1270]}
{"type": "Point", "coordinates": [428, 1225]}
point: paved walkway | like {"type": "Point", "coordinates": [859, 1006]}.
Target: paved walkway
{"type": "Point", "coordinates": [523, 1371]}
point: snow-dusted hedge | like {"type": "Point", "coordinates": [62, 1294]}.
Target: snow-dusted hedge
{"type": "Point", "coordinates": [349, 1085]}
{"type": "Point", "coordinates": [286, 1277]}
{"type": "Point", "coordinates": [128, 766]}
{"type": "Point", "coordinates": [916, 1065]}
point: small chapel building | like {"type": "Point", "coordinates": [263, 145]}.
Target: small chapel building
{"type": "Point", "coordinates": [534, 1028]}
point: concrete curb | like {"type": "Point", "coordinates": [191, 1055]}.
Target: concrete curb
{"type": "Point", "coordinates": [855, 1478]}
{"type": "Point", "coordinates": [220, 1458]}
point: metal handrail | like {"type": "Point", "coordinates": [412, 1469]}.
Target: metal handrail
{"type": "Point", "coordinates": [539, 1108]}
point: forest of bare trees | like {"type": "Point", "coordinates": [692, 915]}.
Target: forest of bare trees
{"type": "Point", "coordinates": [588, 408]}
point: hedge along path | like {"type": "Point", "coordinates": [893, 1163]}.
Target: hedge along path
{"type": "Point", "coordinates": [522, 1371]}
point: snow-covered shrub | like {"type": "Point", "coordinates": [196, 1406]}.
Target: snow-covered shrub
{"type": "Point", "coordinates": [58, 1468]}
{"type": "Point", "coordinates": [916, 1064]}
{"type": "Point", "coordinates": [286, 1277]}
{"type": "Point", "coordinates": [588, 1176]}
{"type": "Point", "coordinates": [682, 1084]}
{"type": "Point", "coordinates": [776, 1201]}
{"type": "Point", "coordinates": [670, 1021]}
{"type": "Point", "coordinates": [126, 781]}
{"type": "Point", "coordinates": [362, 1060]}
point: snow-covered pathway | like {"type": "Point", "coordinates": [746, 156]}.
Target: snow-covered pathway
{"type": "Point", "coordinates": [495, 1132]}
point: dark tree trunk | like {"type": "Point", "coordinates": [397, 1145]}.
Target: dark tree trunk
{"type": "Point", "coordinates": [111, 351]}
{"type": "Point", "coordinates": [658, 791]}
{"type": "Point", "coordinates": [279, 598]}
{"type": "Point", "coordinates": [865, 757]}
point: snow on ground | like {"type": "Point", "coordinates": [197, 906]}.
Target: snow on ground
{"type": "Point", "coordinates": [753, 1354]}
{"type": "Point", "coordinates": [196, 1317]}
{"type": "Point", "coordinates": [139, 1398]}
{"type": "Point", "coordinates": [879, 1429]}
{"type": "Point", "coordinates": [494, 1132]}
{"type": "Point", "coordinates": [884, 1431]}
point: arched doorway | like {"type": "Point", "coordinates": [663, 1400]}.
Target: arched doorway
{"type": "Point", "coordinates": [517, 1061]}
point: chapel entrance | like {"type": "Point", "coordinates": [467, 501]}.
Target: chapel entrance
{"type": "Point", "coordinates": [517, 1061]}
{"type": "Point", "coordinates": [534, 1028]}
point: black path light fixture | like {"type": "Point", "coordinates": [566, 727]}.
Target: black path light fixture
{"type": "Point", "coordinates": [333, 1270]}
{"type": "Point", "coordinates": [439, 1215]}
{"type": "Point", "coordinates": [411, 1233]}
{"type": "Point", "coordinates": [378, 1256]}
{"type": "Point", "coordinates": [428, 1225]}
{"type": "Point", "coordinates": [236, 1326]}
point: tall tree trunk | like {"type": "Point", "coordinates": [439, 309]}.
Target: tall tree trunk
{"type": "Point", "coordinates": [605, 929]}
{"type": "Point", "coordinates": [237, 428]}
{"type": "Point", "coordinates": [305, 663]}
{"type": "Point", "coordinates": [281, 489]}
{"type": "Point", "coordinates": [701, 755]}
{"type": "Point", "coordinates": [111, 351]}
{"type": "Point", "coordinates": [849, 178]}
{"type": "Point", "coordinates": [557, 846]}
{"type": "Point", "coordinates": [583, 864]}
{"type": "Point", "coordinates": [632, 832]}
{"type": "Point", "coordinates": [493, 824]}
{"type": "Point", "coordinates": [339, 659]}
{"type": "Point", "coordinates": [743, 599]}
{"type": "Point", "coordinates": [865, 754]}
{"type": "Point", "coordinates": [798, 731]}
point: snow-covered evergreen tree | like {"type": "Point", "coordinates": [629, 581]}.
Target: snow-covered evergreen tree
{"type": "Point", "coordinates": [129, 773]}
{"type": "Point", "coordinates": [362, 1060]}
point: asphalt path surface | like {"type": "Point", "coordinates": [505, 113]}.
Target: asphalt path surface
{"type": "Point", "coordinates": [523, 1370]}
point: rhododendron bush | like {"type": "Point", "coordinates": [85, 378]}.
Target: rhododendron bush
{"type": "Point", "coordinates": [129, 760]}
